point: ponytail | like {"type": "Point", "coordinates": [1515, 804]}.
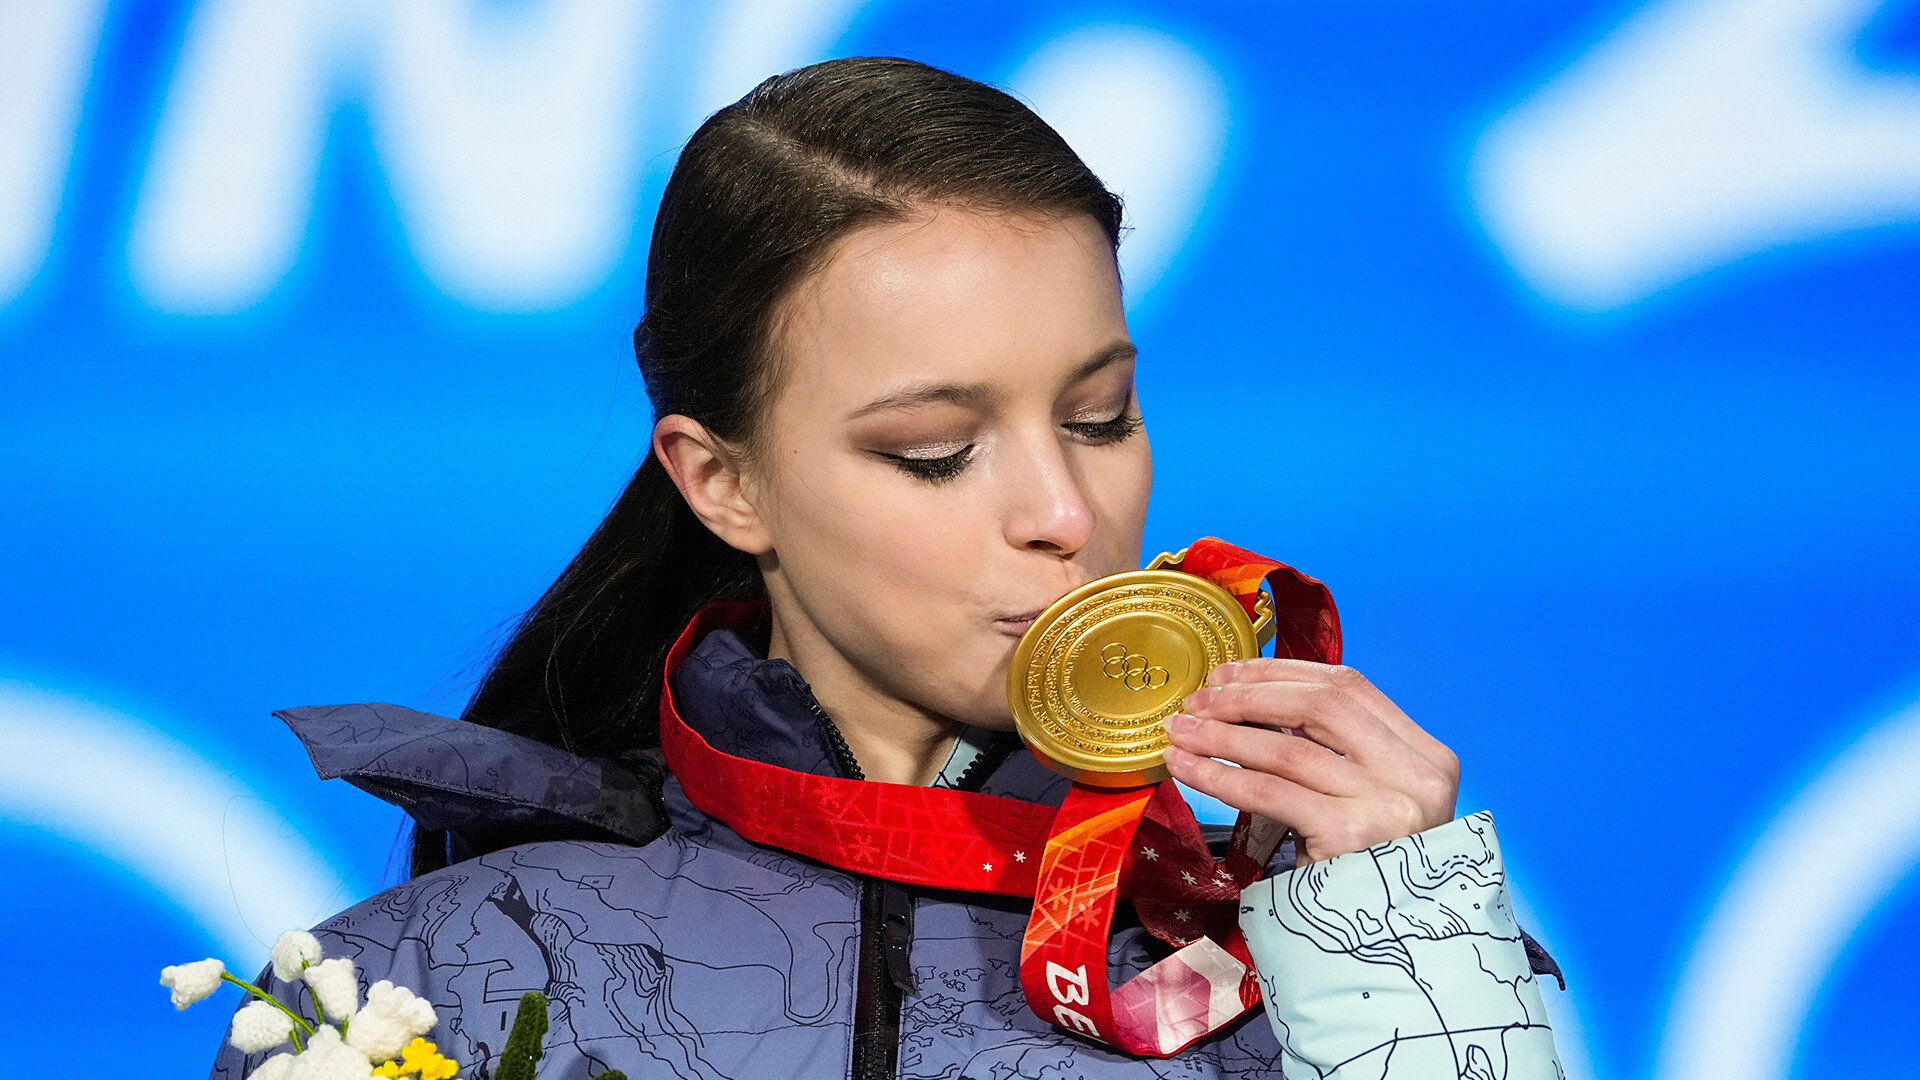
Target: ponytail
{"type": "Point", "coordinates": [584, 669]}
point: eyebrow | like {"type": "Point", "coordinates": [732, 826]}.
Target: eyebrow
{"type": "Point", "coordinates": [975, 393]}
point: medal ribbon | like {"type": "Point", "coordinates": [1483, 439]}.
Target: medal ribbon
{"type": "Point", "coordinates": [1102, 844]}
{"type": "Point", "coordinates": [1102, 833]}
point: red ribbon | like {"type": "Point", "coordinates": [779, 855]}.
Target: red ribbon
{"type": "Point", "coordinates": [1102, 844]}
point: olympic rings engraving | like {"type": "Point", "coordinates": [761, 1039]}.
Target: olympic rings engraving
{"type": "Point", "coordinates": [1131, 668]}
{"type": "Point", "coordinates": [1065, 653]}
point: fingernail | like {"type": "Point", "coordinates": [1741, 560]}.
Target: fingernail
{"type": "Point", "coordinates": [1180, 723]}
{"type": "Point", "coordinates": [1197, 701]}
{"type": "Point", "coordinates": [1224, 674]}
{"type": "Point", "coordinates": [1177, 758]}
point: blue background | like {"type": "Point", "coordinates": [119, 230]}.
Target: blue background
{"type": "Point", "coordinates": [1648, 569]}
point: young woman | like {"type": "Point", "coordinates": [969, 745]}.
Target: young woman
{"type": "Point", "coordinates": [895, 409]}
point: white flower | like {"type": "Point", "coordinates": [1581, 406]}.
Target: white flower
{"type": "Point", "coordinates": [276, 1067]}
{"type": "Point", "coordinates": [292, 953]}
{"type": "Point", "coordinates": [336, 987]}
{"type": "Point", "coordinates": [391, 1018]}
{"type": "Point", "coordinates": [259, 1026]}
{"type": "Point", "coordinates": [327, 1058]}
{"type": "Point", "coordinates": [192, 982]}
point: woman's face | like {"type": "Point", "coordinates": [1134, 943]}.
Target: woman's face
{"type": "Point", "coordinates": [954, 444]}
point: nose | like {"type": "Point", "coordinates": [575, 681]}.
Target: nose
{"type": "Point", "coordinates": [1048, 510]}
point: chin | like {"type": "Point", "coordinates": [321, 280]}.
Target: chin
{"type": "Point", "coordinates": [971, 690]}
{"type": "Point", "coordinates": [986, 706]}
{"type": "Point", "coordinates": [998, 722]}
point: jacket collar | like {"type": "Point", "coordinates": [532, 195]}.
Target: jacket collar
{"type": "Point", "coordinates": [452, 774]}
{"type": "Point", "coordinates": [755, 708]}
{"type": "Point", "coordinates": [752, 707]}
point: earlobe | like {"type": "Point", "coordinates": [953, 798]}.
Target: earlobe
{"type": "Point", "coordinates": [707, 472]}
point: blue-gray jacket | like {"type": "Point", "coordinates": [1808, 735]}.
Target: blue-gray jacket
{"type": "Point", "coordinates": [693, 953]}
{"type": "Point", "coordinates": [699, 954]}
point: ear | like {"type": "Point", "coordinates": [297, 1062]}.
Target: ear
{"type": "Point", "coordinates": [707, 472]}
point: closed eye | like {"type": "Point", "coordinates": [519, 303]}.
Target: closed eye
{"type": "Point", "coordinates": [933, 469]}
{"type": "Point", "coordinates": [1102, 432]}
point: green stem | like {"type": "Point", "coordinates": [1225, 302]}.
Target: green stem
{"type": "Point", "coordinates": [300, 1025]}
{"type": "Point", "coordinates": [319, 1010]}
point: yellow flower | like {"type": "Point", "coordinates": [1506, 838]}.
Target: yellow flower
{"type": "Point", "coordinates": [423, 1059]}
{"type": "Point", "coordinates": [419, 1059]}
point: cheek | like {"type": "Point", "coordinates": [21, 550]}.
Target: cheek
{"type": "Point", "coordinates": [1140, 487]}
{"type": "Point", "coordinates": [871, 554]}
{"type": "Point", "coordinates": [889, 530]}
{"type": "Point", "coordinates": [1119, 487]}
{"type": "Point", "coordinates": [892, 575]}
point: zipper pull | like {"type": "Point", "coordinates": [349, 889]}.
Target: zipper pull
{"type": "Point", "coordinates": [896, 934]}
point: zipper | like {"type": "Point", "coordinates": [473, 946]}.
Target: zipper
{"type": "Point", "coordinates": [886, 928]}
{"type": "Point", "coordinates": [886, 976]}
{"type": "Point", "coordinates": [999, 748]}
{"type": "Point", "coordinates": [886, 947]}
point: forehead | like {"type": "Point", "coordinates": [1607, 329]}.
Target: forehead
{"type": "Point", "coordinates": [952, 295]}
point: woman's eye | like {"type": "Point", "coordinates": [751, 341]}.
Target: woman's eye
{"type": "Point", "coordinates": [932, 468]}
{"type": "Point", "coordinates": [1118, 429]}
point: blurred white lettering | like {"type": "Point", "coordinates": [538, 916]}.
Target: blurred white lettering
{"type": "Point", "coordinates": [1149, 115]}
{"type": "Point", "coordinates": [1699, 133]}
{"type": "Point", "coordinates": [753, 39]}
{"type": "Point", "coordinates": [1835, 851]}
{"type": "Point", "coordinates": [512, 136]}
{"type": "Point", "coordinates": [120, 786]}
{"type": "Point", "coordinates": [510, 140]}
{"type": "Point", "coordinates": [46, 54]}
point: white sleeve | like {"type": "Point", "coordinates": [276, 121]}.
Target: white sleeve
{"type": "Point", "coordinates": [1401, 962]}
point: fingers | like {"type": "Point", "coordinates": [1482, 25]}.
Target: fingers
{"type": "Point", "coordinates": [1363, 773]}
{"type": "Point", "coordinates": [1345, 679]}
{"type": "Point", "coordinates": [1320, 711]}
{"type": "Point", "coordinates": [1323, 825]}
{"type": "Point", "coordinates": [1350, 683]}
{"type": "Point", "coordinates": [1273, 796]}
{"type": "Point", "coordinates": [1302, 761]}
{"type": "Point", "coordinates": [1269, 669]}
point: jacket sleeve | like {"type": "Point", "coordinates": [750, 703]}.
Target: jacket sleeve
{"type": "Point", "coordinates": [1400, 962]}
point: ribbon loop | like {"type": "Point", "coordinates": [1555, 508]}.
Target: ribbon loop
{"type": "Point", "coordinates": [1306, 624]}
{"type": "Point", "coordinates": [1063, 969]}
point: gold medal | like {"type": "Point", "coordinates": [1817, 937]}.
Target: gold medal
{"type": "Point", "coordinates": [1096, 673]}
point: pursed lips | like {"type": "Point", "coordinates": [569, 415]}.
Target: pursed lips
{"type": "Point", "coordinates": [1017, 624]}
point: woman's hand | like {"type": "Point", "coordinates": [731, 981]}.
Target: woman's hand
{"type": "Point", "coordinates": [1319, 749]}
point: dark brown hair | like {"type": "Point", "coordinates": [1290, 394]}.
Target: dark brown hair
{"type": "Point", "coordinates": [759, 195]}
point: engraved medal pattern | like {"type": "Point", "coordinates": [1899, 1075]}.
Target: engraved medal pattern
{"type": "Point", "coordinates": [1114, 659]}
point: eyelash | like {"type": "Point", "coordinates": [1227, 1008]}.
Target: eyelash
{"type": "Point", "coordinates": [937, 470]}
{"type": "Point", "coordinates": [1103, 432]}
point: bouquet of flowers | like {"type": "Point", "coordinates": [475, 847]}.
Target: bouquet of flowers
{"type": "Point", "coordinates": [348, 1039]}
